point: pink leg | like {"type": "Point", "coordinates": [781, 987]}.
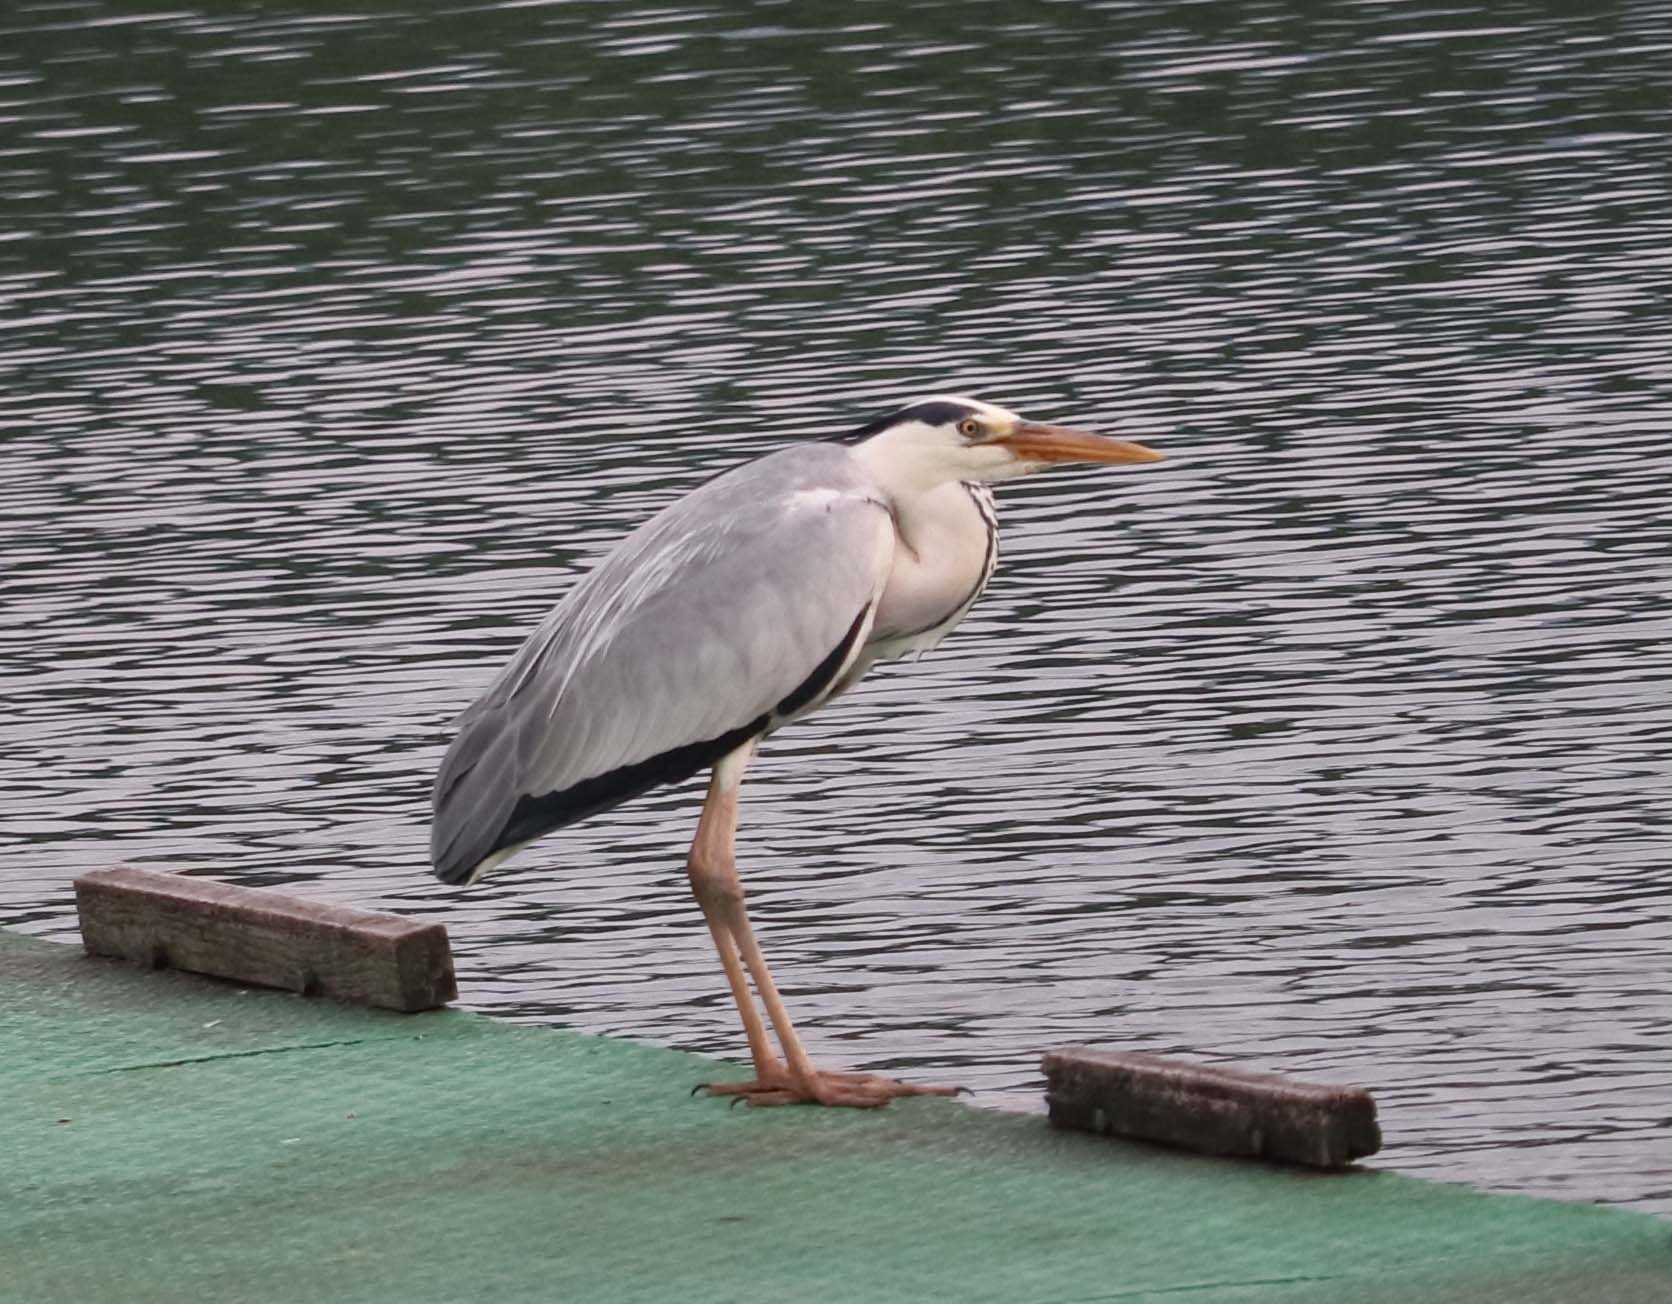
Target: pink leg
{"type": "Point", "coordinates": [713, 870]}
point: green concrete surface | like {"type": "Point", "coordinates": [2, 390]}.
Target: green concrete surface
{"type": "Point", "coordinates": [166, 1137]}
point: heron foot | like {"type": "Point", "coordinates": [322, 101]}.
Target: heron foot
{"type": "Point", "coordinates": [779, 1086]}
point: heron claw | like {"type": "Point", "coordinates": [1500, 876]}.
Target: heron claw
{"type": "Point", "coordinates": [853, 1090]}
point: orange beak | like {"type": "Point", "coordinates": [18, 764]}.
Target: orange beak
{"type": "Point", "coordinates": [1032, 443]}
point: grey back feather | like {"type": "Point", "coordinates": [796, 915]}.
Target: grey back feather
{"type": "Point", "coordinates": [703, 620]}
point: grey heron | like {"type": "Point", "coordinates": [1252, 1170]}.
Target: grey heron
{"type": "Point", "coordinates": [753, 600]}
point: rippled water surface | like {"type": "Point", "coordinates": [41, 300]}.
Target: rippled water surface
{"type": "Point", "coordinates": [335, 345]}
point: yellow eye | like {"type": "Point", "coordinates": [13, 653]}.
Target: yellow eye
{"type": "Point", "coordinates": [969, 427]}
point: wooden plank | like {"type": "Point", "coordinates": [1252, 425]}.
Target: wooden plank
{"type": "Point", "coordinates": [268, 938]}
{"type": "Point", "coordinates": [1217, 1111]}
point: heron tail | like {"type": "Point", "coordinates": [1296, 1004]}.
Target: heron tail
{"type": "Point", "coordinates": [473, 796]}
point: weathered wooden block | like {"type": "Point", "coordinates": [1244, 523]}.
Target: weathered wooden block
{"type": "Point", "coordinates": [256, 935]}
{"type": "Point", "coordinates": [1217, 1111]}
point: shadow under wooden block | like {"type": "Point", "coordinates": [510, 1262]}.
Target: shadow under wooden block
{"type": "Point", "coordinates": [271, 939]}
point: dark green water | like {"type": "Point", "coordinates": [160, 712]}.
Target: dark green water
{"type": "Point", "coordinates": [333, 346]}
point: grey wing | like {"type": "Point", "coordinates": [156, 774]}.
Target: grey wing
{"type": "Point", "coordinates": [732, 611]}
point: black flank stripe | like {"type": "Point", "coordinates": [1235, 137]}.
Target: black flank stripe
{"type": "Point", "coordinates": [532, 816]}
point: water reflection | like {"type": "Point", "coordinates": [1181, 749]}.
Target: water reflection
{"type": "Point", "coordinates": [337, 345]}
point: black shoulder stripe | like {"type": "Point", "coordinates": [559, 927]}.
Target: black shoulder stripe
{"type": "Point", "coordinates": [824, 675]}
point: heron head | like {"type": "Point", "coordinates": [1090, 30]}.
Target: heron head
{"type": "Point", "coordinates": [950, 437]}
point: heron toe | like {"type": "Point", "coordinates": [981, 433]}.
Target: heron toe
{"type": "Point", "coordinates": [850, 1090]}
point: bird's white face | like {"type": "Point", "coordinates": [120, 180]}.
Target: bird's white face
{"type": "Point", "coordinates": [950, 437]}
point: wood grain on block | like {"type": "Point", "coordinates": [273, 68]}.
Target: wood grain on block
{"type": "Point", "coordinates": [1217, 1111]}
{"type": "Point", "coordinates": [259, 936]}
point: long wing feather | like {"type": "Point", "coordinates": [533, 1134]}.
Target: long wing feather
{"type": "Point", "coordinates": [731, 611]}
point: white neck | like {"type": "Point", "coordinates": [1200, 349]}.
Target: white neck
{"type": "Point", "coordinates": [900, 462]}
{"type": "Point", "coordinates": [909, 461]}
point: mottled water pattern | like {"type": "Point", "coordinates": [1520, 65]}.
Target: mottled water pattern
{"type": "Point", "coordinates": [335, 346]}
